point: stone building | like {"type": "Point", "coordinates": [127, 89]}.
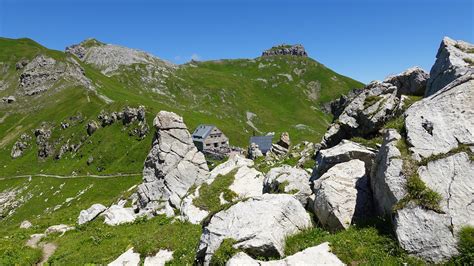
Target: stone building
{"type": "Point", "coordinates": [210, 138]}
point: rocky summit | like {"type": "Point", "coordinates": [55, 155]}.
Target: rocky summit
{"type": "Point", "coordinates": [110, 155]}
{"type": "Point", "coordinates": [285, 49]}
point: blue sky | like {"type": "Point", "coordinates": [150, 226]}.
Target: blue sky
{"type": "Point", "coordinates": [363, 39]}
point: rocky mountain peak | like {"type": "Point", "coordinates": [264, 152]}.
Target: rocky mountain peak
{"type": "Point", "coordinates": [286, 49]}
{"type": "Point", "coordinates": [109, 58]}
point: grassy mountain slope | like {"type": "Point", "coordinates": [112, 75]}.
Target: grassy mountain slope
{"type": "Point", "coordinates": [284, 94]}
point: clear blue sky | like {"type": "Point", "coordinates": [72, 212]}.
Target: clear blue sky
{"type": "Point", "coordinates": [363, 39]}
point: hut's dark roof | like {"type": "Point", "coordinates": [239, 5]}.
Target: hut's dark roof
{"type": "Point", "coordinates": [264, 142]}
{"type": "Point", "coordinates": [201, 132]}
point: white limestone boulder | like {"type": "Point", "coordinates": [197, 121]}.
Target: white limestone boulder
{"type": "Point", "coordinates": [128, 258]}
{"type": "Point", "coordinates": [248, 182]}
{"type": "Point", "coordinates": [342, 194]}
{"type": "Point", "coordinates": [345, 151]}
{"type": "Point", "coordinates": [259, 226]}
{"type": "Point", "coordinates": [159, 259]}
{"type": "Point", "coordinates": [90, 214]}
{"type": "Point", "coordinates": [317, 255]}
{"type": "Point", "coordinates": [293, 180]}
{"type": "Point", "coordinates": [116, 215]}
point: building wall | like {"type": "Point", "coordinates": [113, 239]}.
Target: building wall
{"type": "Point", "coordinates": [216, 139]}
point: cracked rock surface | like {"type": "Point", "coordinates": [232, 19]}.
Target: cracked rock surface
{"type": "Point", "coordinates": [259, 226]}
{"type": "Point", "coordinates": [172, 166]}
{"type": "Point", "coordinates": [453, 60]}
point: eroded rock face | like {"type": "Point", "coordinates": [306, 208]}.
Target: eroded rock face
{"type": "Point", "coordinates": [365, 114]}
{"type": "Point", "coordinates": [293, 181]}
{"type": "Point", "coordinates": [259, 225]}
{"type": "Point", "coordinates": [387, 179]}
{"type": "Point", "coordinates": [345, 151]}
{"type": "Point", "coordinates": [453, 60]}
{"type": "Point", "coordinates": [43, 72]}
{"type": "Point", "coordinates": [342, 195]}
{"type": "Point", "coordinates": [295, 50]}
{"type": "Point", "coordinates": [317, 255]}
{"type": "Point", "coordinates": [172, 166]}
{"type": "Point", "coordinates": [254, 152]}
{"type": "Point", "coordinates": [431, 235]}
{"type": "Point", "coordinates": [20, 146]}
{"type": "Point", "coordinates": [109, 58]}
{"type": "Point", "coordinates": [441, 122]}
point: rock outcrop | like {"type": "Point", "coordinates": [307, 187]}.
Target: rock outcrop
{"type": "Point", "coordinates": [387, 179]}
{"type": "Point", "coordinates": [20, 146]}
{"type": "Point", "coordinates": [453, 60]}
{"type": "Point", "coordinates": [365, 114]}
{"type": "Point", "coordinates": [291, 180]}
{"type": "Point", "coordinates": [318, 255]}
{"type": "Point", "coordinates": [258, 225]}
{"type": "Point", "coordinates": [368, 110]}
{"type": "Point", "coordinates": [45, 148]}
{"type": "Point", "coordinates": [172, 166]}
{"type": "Point", "coordinates": [110, 58]}
{"type": "Point", "coordinates": [43, 73]}
{"type": "Point", "coordinates": [342, 195]}
{"type": "Point", "coordinates": [284, 49]}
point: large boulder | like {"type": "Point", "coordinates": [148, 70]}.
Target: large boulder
{"type": "Point", "coordinates": [117, 214]}
{"type": "Point", "coordinates": [317, 255]}
{"type": "Point", "coordinates": [432, 235]}
{"type": "Point", "coordinates": [172, 166]}
{"type": "Point", "coordinates": [342, 195]}
{"type": "Point", "coordinates": [387, 179]}
{"type": "Point", "coordinates": [89, 214]}
{"type": "Point", "coordinates": [345, 151]}
{"type": "Point", "coordinates": [453, 60]}
{"type": "Point", "coordinates": [291, 180]}
{"type": "Point", "coordinates": [248, 182]}
{"type": "Point", "coordinates": [258, 225]}
{"type": "Point", "coordinates": [443, 121]}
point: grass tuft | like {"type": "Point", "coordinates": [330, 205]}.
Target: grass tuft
{"type": "Point", "coordinates": [371, 100]}
{"type": "Point", "coordinates": [224, 252]}
{"type": "Point", "coordinates": [209, 194]}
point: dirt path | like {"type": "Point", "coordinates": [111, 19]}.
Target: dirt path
{"type": "Point", "coordinates": [48, 251]}
{"type": "Point", "coordinates": [72, 176]}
